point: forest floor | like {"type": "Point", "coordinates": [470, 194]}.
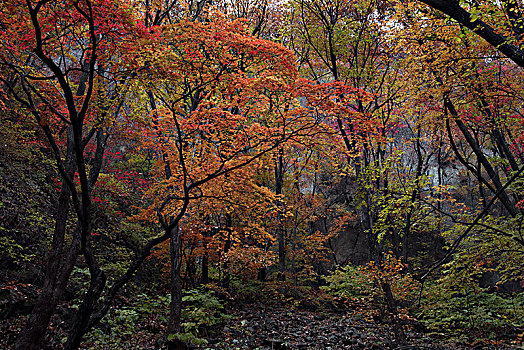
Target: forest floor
{"type": "Point", "coordinates": [257, 326]}
{"type": "Point", "coordinates": [264, 326]}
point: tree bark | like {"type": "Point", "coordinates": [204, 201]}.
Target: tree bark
{"type": "Point", "coordinates": [498, 41]}
{"type": "Point", "coordinates": [175, 308]}
{"type": "Point", "coordinates": [494, 176]}
{"type": "Point", "coordinates": [226, 279]}
{"type": "Point", "coordinates": [204, 277]}
{"type": "Point", "coordinates": [279, 183]}
{"type": "Point", "coordinates": [83, 315]}
{"type": "Point", "coordinates": [391, 303]}
{"type": "Point", "coordinates": [57, 270]}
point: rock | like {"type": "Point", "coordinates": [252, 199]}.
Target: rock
{"type": "Point", "coordinates": [274, 343]}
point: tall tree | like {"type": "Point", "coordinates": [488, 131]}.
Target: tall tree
{"type": "Point", "coordinates": [225, 100]}
{"type": "Point", "coordinates": [53, 56]}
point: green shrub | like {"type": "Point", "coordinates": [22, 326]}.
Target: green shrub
{"type": "Point", "coordinates": [115, 329]}
{"type": "Point", "coordinates": [349, 282]}
{"type": "Point", "coordinates": [201, 310]}
{"type": "Point", "coordinates": [447, 312]}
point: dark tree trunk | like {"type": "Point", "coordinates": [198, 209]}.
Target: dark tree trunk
{"type": "Point", "coordinates": [494, 176]}
{"type": "Point", "coordinates": [204, 278]}
{"type": "Point", "coordinates": [391, 303]}
{"type": "Point", "coordinates": [279, 183]}
{"type": "Point", "coordinates": [226, 279]}
{"type": "Point", "coordinates": [81, 324]}
{"type": "Point", "coordinates": [35, 328]}
{"type": "Point", "coordinates": [498, 41]}
{"type": "Point", "coordinates": [262, 274]}
{"type": "Point", "coordinates": [58, 268]}
{"type": "Point", "coordinates": [83, 315]}
{"type": "Point", "coordinates": [175, 309]}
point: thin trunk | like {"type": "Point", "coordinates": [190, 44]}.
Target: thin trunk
{"type": "Point", "coordinates": [81, 324]}
{"type": "Point", "coordinates": [262, 274]}
{"type": "Point", "coordinates": [406, 236]}
{"type": "Point", "coordinates": [498, 136]}
{"type": "Point", "coordinates": [391, 303]}
{"type": "Point", "coordinates": [414, 194]}
{"type": "Point", "coordinates": [204, 278]}
{"type": "Point", "coordinates": [279, 183]}
{"type": "Point", "coordinates": [83, 315]}
{"type": "Point", "coordinates": [191, 271]}
{"type": "Point", "coordinates": [175, 309]}
{"type": "Point", "coordinates": [293, 250]}
{"type": "Point", "coordinates": [482, 158]}
{"type": "Point", "coordinates": [226, 279]}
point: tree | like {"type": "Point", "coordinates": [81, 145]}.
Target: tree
{"type": "Point", "coordinates": [345, 41]}
{"type": "Point", "coordinates": [504, 36]}
{"type": "Point", "coordinates": [62, 94]}
{"type": "Point", "coordinates": [469, 93]}
{"type": "Point", "coordinates": [225, 99]}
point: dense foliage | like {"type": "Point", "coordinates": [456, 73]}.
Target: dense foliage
{"type": "Point", "coordinates": [163, 163]}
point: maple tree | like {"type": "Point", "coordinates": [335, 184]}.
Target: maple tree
{"type": "Point", "coordinates": [341, 41]}
{"type": "Point", "coordinates": [223, 99]}
{"type": "Point", "coordinates": [482, 123]}
{"type": "Point", "coordinates": [63, 95]}
{"type": "Point", "coordinates": [322, 29]}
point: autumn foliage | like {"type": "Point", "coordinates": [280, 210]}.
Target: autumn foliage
{"type": "Point", "coordinates": [306, 152]}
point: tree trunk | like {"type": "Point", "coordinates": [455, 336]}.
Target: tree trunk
{"type": "Point", "coordinates": [262, 274]}
{"type": "Point", "coordinates": [400, 336]}
{"type": "Point", "coordinates": [279, 183]}
{"type": "Point", "coordinates": [57, 273]}
{"type": "Point", "coordinates": [175, 309]}
{"type": "Point", "coordinates": [83, 315]}
{"type": "Point", "coordinates": [494, 176]}
{"type": "Point", "coordinates": [204, 278]}
{"type": "Point", "coordinates": [226, 279]}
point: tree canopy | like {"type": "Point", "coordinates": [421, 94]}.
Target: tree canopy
{"type": "Point", "coordinates": [161, 160]}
